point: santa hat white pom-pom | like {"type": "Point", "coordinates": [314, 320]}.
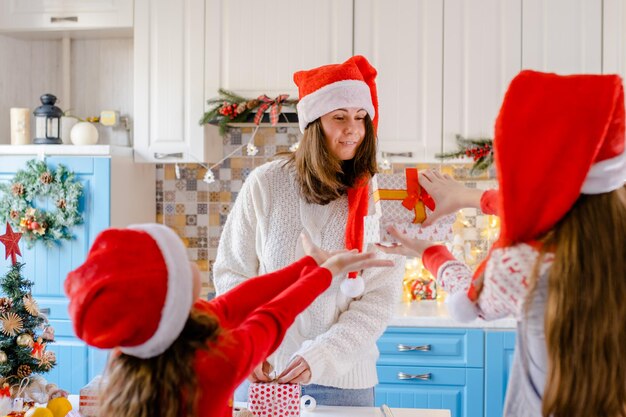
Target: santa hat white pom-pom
{"type": "Point", "coordinates": [461, 308]}
{"type": "Point", "coordinates": [352, 287]}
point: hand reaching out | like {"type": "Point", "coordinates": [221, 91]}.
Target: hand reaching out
{"type": "Point", "coordinates": [261, 372]}
{"type": "Point", "coordinates": [449, 194]}
{"type": "Point", "coordinates": [405, 246]}
{"type": "Point", "coordinates": [297, 372]}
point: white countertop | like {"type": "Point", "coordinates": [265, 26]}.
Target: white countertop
{"type": "Point", "coordinates": [430, 313]}
{"type": "Point", "coordinates": [335, 411]}
{"type": "Point", "coordinates": [46, 150]}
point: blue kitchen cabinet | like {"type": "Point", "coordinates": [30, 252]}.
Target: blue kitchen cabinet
{"type": "Point", "coordinates": [432, 368]}
{"type": "Point", "coordinates": [47, 267]}
{"type": "Point", "coordinates": [499, 349]}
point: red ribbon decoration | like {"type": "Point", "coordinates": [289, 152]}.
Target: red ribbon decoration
{"type": "Point", "coordinates": [276, 107]}
{"type": "Point", "coordinates": [415, 192]}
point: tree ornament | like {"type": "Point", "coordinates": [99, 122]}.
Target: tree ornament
{"type": "Point", "coordinates": [31, 305]}
{"type": "Point", "coordinates": [38, 349]}
{"type": "Point", "coordinates": [38, 181]}
{"type": "Point", "coordinates": [3, 357]}
{"type": "Point", "coordinates": [25, 339]}
{"type": "Point", "coordinates": [10, 240]}
{"type": "Point", "coordinates": [5, 304]}
{"type": "Point", "coordinates": [48, 333]}
{"type": "Point", "coordinates": [23, 371]}
{"type": "Point", "coordinates": [12, 324]}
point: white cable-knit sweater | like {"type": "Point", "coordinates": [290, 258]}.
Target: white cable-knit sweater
{"type": "Point", "coordinates": [335, 335]}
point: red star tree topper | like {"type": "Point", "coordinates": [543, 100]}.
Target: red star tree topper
{"type": "Point", "coordinates": [9, 240]}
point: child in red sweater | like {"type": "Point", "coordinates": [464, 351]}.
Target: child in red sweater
{"type": "Point", "coordinates": [175, 356]}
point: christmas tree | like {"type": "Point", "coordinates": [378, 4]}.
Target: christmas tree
{"type": "Point", "coordinates": [22, 350]}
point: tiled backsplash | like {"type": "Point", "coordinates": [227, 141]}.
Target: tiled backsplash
{"type": "Point", "coordinates": [198, 211]}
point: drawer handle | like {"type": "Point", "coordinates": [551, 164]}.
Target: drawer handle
{"type": "Point", "coordinates": [421, 377]}
{"type": "Point", "coordinates": [403, 154]}
{"type": "Point", "coordinates": [407, 348]}
{"type": "Point", "coordinates": [55, 19]}
{"type": "Point", "coordinates": [158, 155]}
{"type": "Point", "coordinates": [45, 311]}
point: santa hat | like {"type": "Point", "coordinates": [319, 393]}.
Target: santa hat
{"type": "Point", "coordinates": [331, 87]}
{"type": "Point", "coordinates": [555, 138]}
{"type": "Point", "coordinates": [134, 291]}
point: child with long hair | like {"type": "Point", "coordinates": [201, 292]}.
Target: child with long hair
{"type": "Point", "coordinates": [176, 355]}
{"type": "Point", "coordinates": [559, 264]}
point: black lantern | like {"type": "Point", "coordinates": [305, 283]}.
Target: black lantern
{"type": "Point", "coordinates": [48, 121]}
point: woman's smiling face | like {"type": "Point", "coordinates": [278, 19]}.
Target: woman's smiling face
{"type": "Point", "coordinates": [344, 130]}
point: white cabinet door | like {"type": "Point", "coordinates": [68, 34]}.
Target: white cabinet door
{"type": "Point", "coordinates": [482, 53]}
{"type": "Point", "coordinates": [51, 15]}
{"type": "Point", "coordinates": [403, 40]}
{"type": "Point", "coordinates": [254, 47]}
{"type": "Point", "coordinates": [614, 37]}
{"type": "Point", "coordinates": [169, 79]}
{"type": "Point", "coordinates": [562, 36]}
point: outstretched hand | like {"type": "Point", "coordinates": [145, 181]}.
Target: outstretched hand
{"type": "Point", "coordinates": [449, 194]}
{"type": "Point", "coordinates": [405, 245]}
{"type": "Point", "coordinates": [346, 261]}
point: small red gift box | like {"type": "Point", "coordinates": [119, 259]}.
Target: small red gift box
{"type": "Point", "coordinates": [271, 399]}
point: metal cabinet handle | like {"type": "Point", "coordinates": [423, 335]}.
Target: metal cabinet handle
{"type": "Point", "coordinates": [407, 348]}
{"type": "Point", "coordinates": [45, 311]}
{"type": "Point", "coordinates": [159, 155]}
{"type": "Point", "coordinates": [421, 377]}
{"type": "Point", "coordinates": [55, 19]}
{"type": "Point", "coordinates": [404, 154]}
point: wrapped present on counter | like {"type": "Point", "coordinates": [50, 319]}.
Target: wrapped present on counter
{"type": "Point", "coordinates": [399, 200]}
{"type": "Point", "coordinates": [89, 400]}
{"type": "Point", "coordinates": [271, 399]}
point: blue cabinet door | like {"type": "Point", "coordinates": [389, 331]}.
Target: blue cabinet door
{"type": "Point", "coordinates": [499, 349]}
{"type": "Point", "coordinates": [459, 390]}
{"type": "Point", "coordinates": [48, 267]}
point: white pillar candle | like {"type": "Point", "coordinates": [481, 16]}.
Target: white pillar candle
{"type": "Point", "coordinates": [20, 126]}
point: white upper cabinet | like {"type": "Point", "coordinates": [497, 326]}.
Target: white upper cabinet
{"type": "Point", "coordinates": [403, 39]}
{"type": "Point", "coordinates": [614, 37]}
{"type": "Point", "coordinates": [254, 47]}
{"type": "Point", "coordinates": [563, 36]}
{"type": "Point", "coordinates": [61, 15]}
{"type": "Point", "coordinates": [168, 81]}
{"type": "Point", "coordinates": [482, 53]}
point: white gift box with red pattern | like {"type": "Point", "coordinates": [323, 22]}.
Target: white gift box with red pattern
{"type": "Point", "coordinates": [376, 229]}
{"type": "Point", "coordinates": [271, 399]}
{"type": "Point", "coordinates": [89, 398]}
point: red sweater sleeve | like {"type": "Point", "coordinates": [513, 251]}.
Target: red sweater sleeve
{"type": "Point", "coordinates": [234, 306]}
{"type": "Point", "coordinates": [264, 329]}
{"type": "Point", "coordinates": [489, 202]}
{"type": "Point", "coordinates": [434, 257]}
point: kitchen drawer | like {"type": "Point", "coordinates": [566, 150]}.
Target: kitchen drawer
{"type": "Point", "coordinates": [421, 375]}
{"type": "Point", "coordinates": [431, 347]}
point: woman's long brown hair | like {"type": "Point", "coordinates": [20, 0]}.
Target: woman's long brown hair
{"type": "Point", "coordinates": [321, 175]}
{"type": "Point", "coordinates": [585, 317]}
{"type": "Point", "coordinates": [163, 386]}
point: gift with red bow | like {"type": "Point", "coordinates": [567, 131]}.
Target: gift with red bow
{"type": "Point", "coordinates": [401, 201]}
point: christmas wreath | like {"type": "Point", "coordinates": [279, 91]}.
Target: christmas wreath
{"type": "Point", "coordinates": [232, 108]}
{"type": "Point", "coordinates": [38, 181]}
{"type": "Point", "coordinates": [480, 150]}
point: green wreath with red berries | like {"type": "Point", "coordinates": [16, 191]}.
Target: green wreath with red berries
{"type": "Point", "coordinates": [38, 183]}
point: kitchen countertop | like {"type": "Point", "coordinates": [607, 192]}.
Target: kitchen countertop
{"type": "Point", "coordinates": [430, 313]}
{"type": "Point", "coordinates": [334, 411]}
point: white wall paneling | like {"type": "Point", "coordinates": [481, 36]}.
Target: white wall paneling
{"type": "Point", "coordinates": [562, 36]}
{"type": "Point", "coordinates": [482, 53]}
{"type": "Point", "coordinates": [254, 47]}
{"type": "Point", "coordinates": [403, 40]}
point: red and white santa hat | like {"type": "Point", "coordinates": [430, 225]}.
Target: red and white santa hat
{"type": "Point", "coordinates": [331, 87]}
{"type": "Point", "coordinates": [556, 137]}
{"type": "Point", "coordinates": [134, 291]}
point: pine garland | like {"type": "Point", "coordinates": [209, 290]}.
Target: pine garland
{"type": "Point", "coordinates": [232, 108]}
{"type": "Point", "coordinates": [480, 150]}
{"type": "Point", "coordinates": [38, 181]}
{"type": "Point", "coordinates": [20, 358]}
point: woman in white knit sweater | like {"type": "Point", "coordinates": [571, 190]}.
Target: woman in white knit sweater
{"type": "Point", "coordinates": [321, 189]}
